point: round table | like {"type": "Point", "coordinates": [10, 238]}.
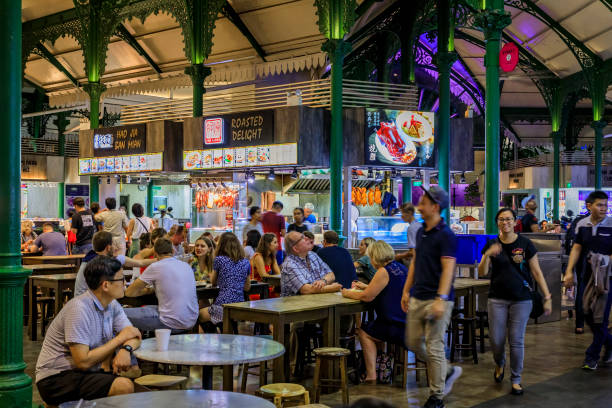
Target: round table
{"type": "Point", "coordinates": [185, 398]}
{"type": "Point", "coordinates": [203, 351]}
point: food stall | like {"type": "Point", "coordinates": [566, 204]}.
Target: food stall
{"type": "Point", "coordinates": [256, 155]}
{"type": "Point", "coordinates": [41, 185]}
{"type": "Point", "coordinates": [129, 158]}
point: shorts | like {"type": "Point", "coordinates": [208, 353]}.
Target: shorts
{"type": "Point", "coordinates": [72, 385]}
{"type": "Point", "coordinates": [385, 331]}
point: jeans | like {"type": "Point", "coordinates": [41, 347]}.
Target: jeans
{"type": "Point", "coordinates": [425, 337]}
{"type": "Point", "coordinates": [81, 249]}
{"type": "Point", "coordinates": [601, 334]}
{"type": "Point", "coordinates": [581, 282]}
{"type": "Point", "coordinates": [511, 317]}
{"type": "Point", "coordinates": [145, 318]}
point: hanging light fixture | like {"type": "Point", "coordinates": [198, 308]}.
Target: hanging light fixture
{"type": "Point", "coordinates": [271, 175]}
{"type": "Point", "coordinates": [370, 173]}
{"type": "Point", "coordinates": [462, 178]}
{"type": "Point", "coordinates": [379, 176]}
{"type": "Point", "coordinates": [108, 180]}
{"type": "Point", "coordinates": [250, 177]}
{"type": "Point", "coordinates": [128, 179]}
{"type": "Point", "coordinates": [294, 174]}
{"type": "Point", "coordinates": [417, 175]}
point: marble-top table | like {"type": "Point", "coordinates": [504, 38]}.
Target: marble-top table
{"type": "Point", "coordinates": [203, 351]}
{"type": "Point", "coordinates": [58, 282]}
{"type": "Point", "coordinates": [183, 398]}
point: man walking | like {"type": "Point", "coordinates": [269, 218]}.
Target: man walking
{"type": "Point", "coordinates": [82, 227]}
{"type": "Point", "coordinates": [428, 295]}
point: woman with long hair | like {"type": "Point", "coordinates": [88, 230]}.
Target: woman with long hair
{"type": "Point", "coordinates": [363, 264]}
{"type": "Point", "coordinates": [252, 240]}
{"type": "Point", "coordinates": [138, 225]}
{"type": "Point", "coordinates": [513, 261]}
{"type": "Point", "coordinates": [264, 261]}
{"type": "Point", "coordinates": [231, 273]}
{"type": "Point", "coordinates": [202, 264]}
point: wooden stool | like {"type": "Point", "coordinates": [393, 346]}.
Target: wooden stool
{"type": "Point", "coordinates": [467, 327]}
{"type": "Point", "coordinates": [262, 372]}
{"type": "Point", "coordinates": [483, 321]}
{"type": "Point", "coordinates": [331, 353]}
{"type": "Point", "coordinates": [405, 365]}
{"type": "Point", "coordinates": [47, 305]}
{"type": "Point", "coordinates": [161, 382]}
{"type": "Point", "coordinates": [280, 392]}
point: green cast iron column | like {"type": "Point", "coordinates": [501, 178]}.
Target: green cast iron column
{"type": "Point", "coordinates": [150, 199]}
{"type": "Point", "coordinates": [61, 122]}
{"type": "Point", "coordinates": [445, 59]}
{"type": "Point", "coordinates": [492, 21]}
{"type": "Point", "coordinates": [15, 385]}
{"type": "Point", "coordinates": [598, 126]}
{"type": "Point", "coordinates": [556, 136]}
{"type": "Point", "coordinates": [336, 145]}
{"type": "Point", "coordinates": [406, 190]}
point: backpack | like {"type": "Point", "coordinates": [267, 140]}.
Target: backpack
{"type": "Point", "coordinates": [518, 227]}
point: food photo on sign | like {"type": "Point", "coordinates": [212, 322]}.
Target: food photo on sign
{"type": "Point", "coordinates": [399, 138]}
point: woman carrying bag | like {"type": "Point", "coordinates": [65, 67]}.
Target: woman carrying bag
{"type": "Point", "coordinates": [514, 266]}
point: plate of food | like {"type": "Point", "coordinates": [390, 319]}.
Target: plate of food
{"type": "Point", "coordinates": [393, 146]}
{"type": "Point", "coordinates": [207, 159]}
{"type": "Point", "coordinates": [94, 165]}
{"type": "Point", "coordinates": [414, 126]}
{"type": "Point", "coordinates": [192, 160]}
{"type": "Point", "coordinates": [251, 154]}
{"type": "Point", "coordinates": [84, 166]}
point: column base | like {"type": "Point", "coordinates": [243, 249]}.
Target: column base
{"type": "Point", "coordinates": [15, 391]}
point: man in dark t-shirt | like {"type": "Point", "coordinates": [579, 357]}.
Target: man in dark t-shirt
{"type": "Point", "coordinates": [338, 259]}
{"type": "Point", "coordinates": [428, 294]}
{"type": "Point", "coordinates": [82, 226]}
{"type": "Point", "coordinates": [529, 221]}
{"type": "Point", "coordinates": [273, 222]}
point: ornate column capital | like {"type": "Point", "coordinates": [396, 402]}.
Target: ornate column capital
{"type": "Point", "coordinates": [94, 89]}
{"type": "Point", "coordinates": [599, 125]}
{"type": "Point", "coordinates": [492, 22]}
{"type": "Point", "coordinates": [330, 47]}
{"type": "Point", "coordinates": [198, 72]}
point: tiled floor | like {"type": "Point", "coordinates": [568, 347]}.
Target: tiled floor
{"type": "Point", "coordinates": [553, 352]}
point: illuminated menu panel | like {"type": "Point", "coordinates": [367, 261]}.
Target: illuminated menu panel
{"type": "Point", "coordinates": [121, 164]}
{"type": "Point", "coordinates": [236, 157]}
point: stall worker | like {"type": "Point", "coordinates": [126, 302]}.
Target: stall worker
{"type": "Point", "coordinates": [385, 290]}
{"type": "Point", "coordinates": [428, 295]}
{"type": "Point", "coordinates": [298, 221]}
{"type": "Point", "coordinates": [338, 259]}
{"type": "Point", "coordinates": [174, 285]}
{"type": "Point", "coordinates": [89, 342]}
{"type": "Point", "coordinates": [303, 272]}
{"type": "Point", "coordinates": [50, 242]}
{"type": "Point", "coordinates": [274, 222]}
{"type": "Point", "coordinates": [310, 217]}
{"type": "Point", "coordinates": [115, 222]}
{"type": "Point", "coordinates": [593, 236]}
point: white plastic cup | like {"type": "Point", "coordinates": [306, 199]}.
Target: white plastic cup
{"type": "Point", "coordinates": [162, 337]}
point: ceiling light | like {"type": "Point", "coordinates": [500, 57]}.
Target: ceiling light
{"type": "Point", "coordinates": [108, 180]}
{"type": "Point", "coordinates": [379, 176]}
{"type": "Point", "coordinates": [462, 178]}
{"type": "Point", "coordinates": [128, 179]}
{"type": "Point", "coordinates": [370, 173]}
{"type": "Point", "coordinates": [417, 175]}
{"type": "Point", "coordinates": [271, 175]}
{"type": "Point", "coordinates": [294, 174]}
{"type": "Point", "coordinates": [250, 177]}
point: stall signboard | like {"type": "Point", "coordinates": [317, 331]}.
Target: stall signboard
{"type": "Point", "coordinates": [121, 164]}
{"type": "Point", "coordinates": [239, 129]}
{"type": "Point", "coordinates": [118, 141]}
{"type": "Point", "coordinates": [237, 157]}
{"type": "Point", "coordinates": [399, 138]}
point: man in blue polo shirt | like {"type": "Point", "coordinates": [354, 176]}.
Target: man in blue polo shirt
{"type": "Point", "coordinates": [428, 295]}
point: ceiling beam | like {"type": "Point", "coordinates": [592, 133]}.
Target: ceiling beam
{"type": "Point", "coordinates": [34, 85]}
{"type": "Point", "coordinates": [608, 4]}
{"type": "Point", "coordinates": [126, 36]}
{"type": "Point", "coordinates": [364, 6]}
{"type": "Point", "coordinates": [231, 14]}
{"type": "Point", "coordinates": [46, 54]}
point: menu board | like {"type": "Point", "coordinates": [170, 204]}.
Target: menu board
{"type": "Point", "coordinates": [399, 138]}
{"type": "Point", "coordinates": [121, 164]}
{"type": "Point", "coordinates": [236, 157]}
{"type": "Point", "coordinates": [121, 140]}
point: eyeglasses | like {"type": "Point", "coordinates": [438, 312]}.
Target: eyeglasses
{"type": "Point", "coordinates": [122, 279]}
{"type": "Point", "coordinates": [503, 220]}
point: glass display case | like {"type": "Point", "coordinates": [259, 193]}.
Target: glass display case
{"type": "Point", "coordinates": [390, 229]}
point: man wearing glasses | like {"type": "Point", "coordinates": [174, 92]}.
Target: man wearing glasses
{"type": "Point", "coordinates": [303, 272]}
{"type": "Point", "coordinates": [89, 342]}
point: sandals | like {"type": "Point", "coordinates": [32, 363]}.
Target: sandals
{"type": "Point", "coordinates": [362, 380]}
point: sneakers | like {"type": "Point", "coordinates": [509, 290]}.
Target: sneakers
{"type": "Point", "coordinates": [589, 365]}
{"type": "Point", "coordinates": [433, 402]}
{"type": "Point", "coordinates": [451, 378]}
{"type": "Point", "coordinates": [607, 358]}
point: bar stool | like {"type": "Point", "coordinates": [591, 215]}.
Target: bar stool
{"type": "Point", "coordinates": [331, 354]}
{"type": "Point", "coordinates": [464, 326]}
{"type": "Point", "coordinates": [404, 364]}
{"type": "Point", "coordinates": [483, 321]}
{"type": "Point", "coordinates": [282, 392]}
{"type": "Point", "coordinates": [47, 305]}
{"type": "Point", "coordinates": [161, 382]}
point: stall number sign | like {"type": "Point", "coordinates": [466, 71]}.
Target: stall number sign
{"type": "Point", "coordinates": [213, 131]}
{"type": "Point", "coordinates": [120, 140]}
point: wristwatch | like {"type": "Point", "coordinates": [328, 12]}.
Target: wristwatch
{"type": "Point", "coordinates": [442, 297]}
{"type": "Point", "coordinates": [127, 347]}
